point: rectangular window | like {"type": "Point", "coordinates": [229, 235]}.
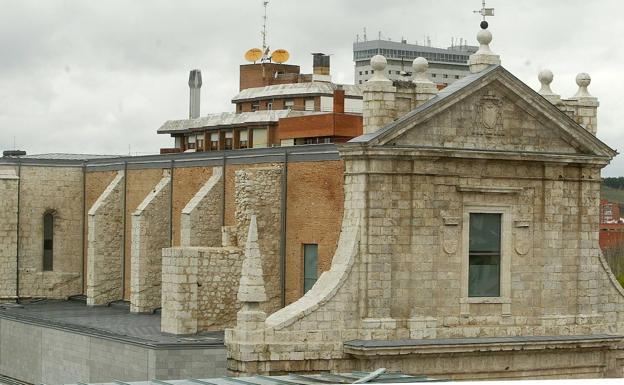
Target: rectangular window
{"type": "Point", "coordinates": [310, 266]}
{"type": "Point", "coordinates": [289, 104]}
{"type": "Point", "coordinates": [255, 106]}
{"type": "Point", "coordinates": [190, 142]}
{"type": "Point", "coordinates": [214, 141]}
{"type": "Point", "coordinates": [309, 104]}
{"type": "Point", "coordinates": [229, 140]}
{"type": "Point", "coordinates": [243, 139]}
{"type": "Point", "coordinates": [484, 255]}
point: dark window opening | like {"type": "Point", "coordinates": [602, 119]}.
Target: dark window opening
{"type": "Point", "coordinates": [48, 242]}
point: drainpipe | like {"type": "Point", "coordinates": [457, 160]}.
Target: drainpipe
{"type": "Point", "coordinates": [123, 234]}
{"type": "Point", "coordinates": [17, 248]}
{"type": "Point", "coordinates": [283, 207]}
{"type": "Point", "coordinates": [171, 203]}
{"type": "Point", "coordinates": [223, 200]}
{"type": "Point", "coordinates": [84, 225]}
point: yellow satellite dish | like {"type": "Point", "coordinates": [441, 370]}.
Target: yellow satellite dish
{"type": "Point", "coordinates": [280, 56]}
{"type": "Point", "coordinates": [253, 55]}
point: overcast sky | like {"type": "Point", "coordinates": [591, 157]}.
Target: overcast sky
{"type": "Point", "coordinates": [101, 76]}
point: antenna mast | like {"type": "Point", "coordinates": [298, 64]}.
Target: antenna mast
{"type": "Point", "coordinates": [265, 48]}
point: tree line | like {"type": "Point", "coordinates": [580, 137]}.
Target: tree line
{"type": "Point", "coordinates": [614, 182]}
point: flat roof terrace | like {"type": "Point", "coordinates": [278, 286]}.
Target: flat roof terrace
{"type": "Point", "coordinates": [113, 322]}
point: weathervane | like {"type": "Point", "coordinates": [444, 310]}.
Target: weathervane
{"type": "Point", "coordinates": [485, 12]}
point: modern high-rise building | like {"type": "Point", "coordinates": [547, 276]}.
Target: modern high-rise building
{"type": "Point", "coordinates": [445, 64]}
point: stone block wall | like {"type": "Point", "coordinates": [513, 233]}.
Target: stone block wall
{"type": "Point", "coordinates": [56, 190]}
{"type": "Point", "coordinates": [202, 218]}
{"type": "Point", "coordinates": [259, 191]}
{"type": "Point", "coordinates": [200, 283]}
{"type": "Point", "coordinates": [8, 231]}
{"type": "Point", "coordinates": [150, 234]}
{"type": "Point", "coordinates": [105, 244]}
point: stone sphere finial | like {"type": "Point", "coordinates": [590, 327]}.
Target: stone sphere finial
{"type": "Point", "coordinates": [378, 64]}
{"type": "Point", "coordinates": [420, 65]}
{"type": "Point", "coordinates": [583, 80]}
{"type": "Point", "coordinates": [545, 77]}
{"type": "Point", "coordinates": [484, 37]}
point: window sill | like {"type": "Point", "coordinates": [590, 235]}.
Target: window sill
{"type": "Point", "coordinates": [495, 300]}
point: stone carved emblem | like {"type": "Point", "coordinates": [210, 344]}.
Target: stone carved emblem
{"type": "Point", "coordinates": [522, 237]}
{"type": "Point", "coordinates": [488, 119]}
{"type": "Point", "coordinates": [450, 241]}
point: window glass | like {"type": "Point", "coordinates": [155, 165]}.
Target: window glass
{"type": "Point", "coordinates": [484, 255]}
{"type": "Point", "coordinates": [310, 266]}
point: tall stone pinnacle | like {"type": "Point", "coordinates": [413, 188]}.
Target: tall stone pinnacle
{"type": "Point", "coordinates": [251, 287]}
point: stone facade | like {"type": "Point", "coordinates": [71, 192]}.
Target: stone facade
{"type": "Point", "coordinates": [9, 182]}
{"type": "Point", "coordinates": [58, 191]}
{"type": "Point", "coordinates": [151, 229]}
{"type": "Point", "coordinates": [399, 277]}
{"type": "Point", "coordinates": [202, 218]}
{"type": "Point", "coordinates": [105, 240]}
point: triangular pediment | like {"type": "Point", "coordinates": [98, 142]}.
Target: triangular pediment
{"type": "Point", "coordinates": [496, 111]}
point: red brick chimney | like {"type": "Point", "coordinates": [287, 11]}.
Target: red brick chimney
{"type": "Point", "coordinates": [339, 101]}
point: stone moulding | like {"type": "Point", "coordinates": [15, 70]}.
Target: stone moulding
{"type": "Point", "coordinates": [326, 286]}
{"type": "Point", "coordinates": [363, 349]}
{"type": "Point", "coordinates": [489, 189]}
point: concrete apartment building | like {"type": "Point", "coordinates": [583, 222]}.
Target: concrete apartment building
{"type": "Point", "coordinates": [276, 106]}
{"type": "Point", "coordinates": [457, 237]}
{"type": "Point", "coordinates": [445, 65]}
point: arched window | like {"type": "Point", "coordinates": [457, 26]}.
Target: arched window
{"type": "Point", "coordinates": [48, 241]}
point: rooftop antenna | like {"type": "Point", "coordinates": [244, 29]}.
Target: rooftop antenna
{"type": "Point", "coordinates": [485, 12]}
{"type": "Point", "coordinates": [265, 48]}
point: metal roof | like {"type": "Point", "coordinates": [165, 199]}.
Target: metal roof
{"type": "Point", "coordinates": [378, 377]}
{"type": "Point", "coordinates": [229, 119]}
{"type": "Point", "coordinates": [61, 156]}
{"type": "Point", "coordinates": [296, 89]}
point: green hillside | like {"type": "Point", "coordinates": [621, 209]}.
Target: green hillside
{"type": "Point", "coordinates": [612, 194]}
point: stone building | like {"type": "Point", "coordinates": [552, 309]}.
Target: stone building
{"type": "Point", "coordinates": [457, 237]}
{"type": "Point", "coordinates": [469, 242]}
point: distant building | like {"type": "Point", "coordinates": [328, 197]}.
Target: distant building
{"type": "Point", "coordinates": [276, 106]}
{"type": "Point", "coordinates": [445, 65]}
{"type": "Point", "coordinates": [609, 211]}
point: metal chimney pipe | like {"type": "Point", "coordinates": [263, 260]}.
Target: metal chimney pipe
{"type": "Point", "coordinates": [195, 83]}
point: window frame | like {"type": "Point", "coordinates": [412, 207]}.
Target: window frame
{"type": "Point", "coordinates": [505, 258]}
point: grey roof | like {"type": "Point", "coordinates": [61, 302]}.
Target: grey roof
{"type": "Point", "coordinates": [115, 323]}
{"type": "Point", "coordinates": [290, 379]}
{"type": "Point", "coordinates": [296, 89]}
{"type": "Point", "coordinates": [229, 119]}
{"type": "Point", "coordinates": [61, 156]}
{"type": "Point", "coordinates": [442, 95]}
